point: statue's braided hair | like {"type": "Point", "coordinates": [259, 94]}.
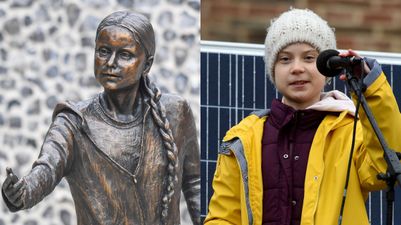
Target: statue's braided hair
{"type": "Point", "coordinates": [143, 33]}
{"type": "Point", "coordinates": [159, 116]}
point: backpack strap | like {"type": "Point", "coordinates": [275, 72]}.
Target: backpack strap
{"type": "Point", "coordinates": [235, 144]}
{"type": "Point", "coordinates": [261, 113]}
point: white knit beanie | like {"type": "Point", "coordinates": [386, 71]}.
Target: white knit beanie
{"type": "Point", "coordinates": [296, 26]}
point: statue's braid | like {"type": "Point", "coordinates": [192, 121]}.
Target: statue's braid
{"type": "Point", "coordinates": [159, 116]}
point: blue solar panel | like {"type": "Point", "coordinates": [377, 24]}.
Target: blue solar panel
{"type": "Point", "coordinates": [232, 86]}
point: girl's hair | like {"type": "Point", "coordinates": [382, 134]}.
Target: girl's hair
{"type": "Point", "coordinates": [143, 33]}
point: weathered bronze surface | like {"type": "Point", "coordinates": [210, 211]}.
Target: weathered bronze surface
{"type": "Point", "coordinates": [128, 152]}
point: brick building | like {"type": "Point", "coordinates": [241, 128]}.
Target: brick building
{"type": "Point", "coordinates": [373, 25]}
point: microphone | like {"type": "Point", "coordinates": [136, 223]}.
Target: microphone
{"type": "Point", "coordinates": [330, 64]}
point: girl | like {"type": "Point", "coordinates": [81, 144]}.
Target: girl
{"type": "Point", "coordinates": [288, 165]}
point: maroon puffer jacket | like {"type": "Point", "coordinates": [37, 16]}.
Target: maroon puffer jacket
{"type": "Point", "coordinates": [287, 138]}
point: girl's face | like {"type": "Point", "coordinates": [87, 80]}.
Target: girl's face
{"type": "Point", "coordinates": [296, 75]}
{"type": "Point", "coordinates": [119, 59]}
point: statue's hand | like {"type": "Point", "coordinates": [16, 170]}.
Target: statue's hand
{"type": "Point", "coordinates": [13, 188]}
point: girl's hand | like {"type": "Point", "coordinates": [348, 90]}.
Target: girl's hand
{"type": "Point", "coordinates": [351, 53]}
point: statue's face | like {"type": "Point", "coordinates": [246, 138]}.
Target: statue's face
{"type": "Point", "coordinates": [119, 59]}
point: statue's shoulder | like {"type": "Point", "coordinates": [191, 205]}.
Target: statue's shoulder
{"type": "Point", "coordinates": [73, 108]}
{"type": "Point", "coordinates": [178, 110]}
{"type": "Point", "coordinates": [174, 103]}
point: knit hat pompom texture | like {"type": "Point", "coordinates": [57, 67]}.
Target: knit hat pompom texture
{"type": "Point", "coordinates": [296, 26]}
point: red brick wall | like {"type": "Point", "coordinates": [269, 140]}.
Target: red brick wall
{"type": "Point", "coordinates": [360, 24]}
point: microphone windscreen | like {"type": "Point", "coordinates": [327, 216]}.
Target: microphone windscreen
{"type": "Point", "coordinates": [321, 63]}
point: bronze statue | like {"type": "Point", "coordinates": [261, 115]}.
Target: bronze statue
{"type": "Point", "coordinates": [126, 153]}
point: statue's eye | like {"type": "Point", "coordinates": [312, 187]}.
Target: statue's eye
{"type": "Point", "coordinates": [126, 55]}
{"type": "Point", "coordinates": [103, 51]}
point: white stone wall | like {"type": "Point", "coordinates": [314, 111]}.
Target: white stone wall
{"type": "Point", "coordinates": [46, 55]}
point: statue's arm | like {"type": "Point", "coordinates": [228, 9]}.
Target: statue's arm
{"type": "Point", "coordinates": [54, 162]}
{"type": "Point", "coordinates": [191, 170]}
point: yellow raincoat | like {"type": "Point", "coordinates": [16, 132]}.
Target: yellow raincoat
{"type": "Point", "coordinates": [238, 187]}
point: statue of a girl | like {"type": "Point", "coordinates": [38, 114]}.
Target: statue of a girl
{"type": "Point", "coordinates": [128, 152]}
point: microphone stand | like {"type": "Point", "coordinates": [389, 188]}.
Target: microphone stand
{"type": "Point", "coordinates": [391, 157]}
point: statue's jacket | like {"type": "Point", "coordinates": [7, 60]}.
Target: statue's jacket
{"type": "Point", "coordinates": [105, 192]}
